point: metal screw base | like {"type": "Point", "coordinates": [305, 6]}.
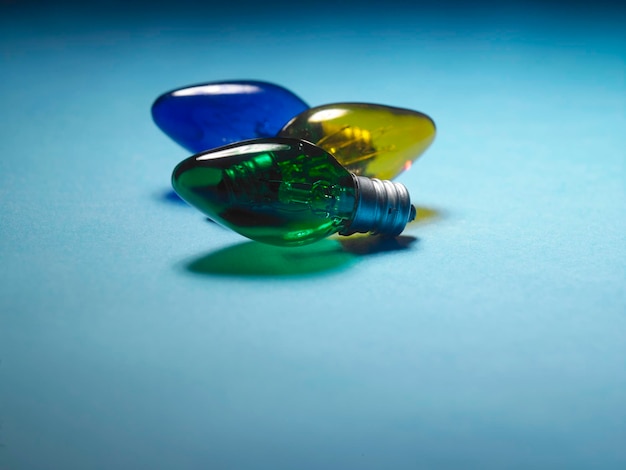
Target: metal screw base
{"type": "Point", "coordinates": [383, 207]}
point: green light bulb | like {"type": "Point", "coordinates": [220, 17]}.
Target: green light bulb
{"type": "Point", "coordinates": [289, 192]}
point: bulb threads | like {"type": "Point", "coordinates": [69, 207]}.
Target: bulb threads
{"type": "Point", "coordinates": [382, 207]}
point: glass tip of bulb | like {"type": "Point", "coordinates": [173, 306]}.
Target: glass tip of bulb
{"type": "Point", "coordinates": [382, 208]}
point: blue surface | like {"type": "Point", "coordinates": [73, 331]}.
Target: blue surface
{"type": "Point", "coordinates": [135, 334]}
{"type": "Point", "coordinates": [208, 115]}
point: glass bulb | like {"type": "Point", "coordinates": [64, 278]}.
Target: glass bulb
{"type": "Point", "coordinates": [286, 191]}
{"type": "Point", "coordinates": [368, 139]}
{"type": "Point", "coordinates": [210, 115]}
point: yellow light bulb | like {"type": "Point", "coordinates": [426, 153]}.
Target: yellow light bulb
{"type": "Point", "coordinates": [368, 139]}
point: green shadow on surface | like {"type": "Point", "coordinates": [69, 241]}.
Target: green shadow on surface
{"type": "Point", "coordinates": [257, 259]}
{"type": "Point", "coordinates": [253, 259]}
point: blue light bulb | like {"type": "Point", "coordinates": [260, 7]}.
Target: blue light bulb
{"type": "Point", "coordinates": [210, 115]}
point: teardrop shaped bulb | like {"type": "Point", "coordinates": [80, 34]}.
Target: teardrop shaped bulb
{"type": "Point", "coordinates": [289, 192]}
{"type": "Point", "coordinates": [368, 139]}
{"type": "Point", "coordinates": [210, 115]}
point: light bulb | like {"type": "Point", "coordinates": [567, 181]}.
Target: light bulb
{"type": "Point", "coordinates": [289, 192]}
{"type": "Point", "coordinates": [210, 115]}
{"type": "Point", "coordinates": [368, 139]}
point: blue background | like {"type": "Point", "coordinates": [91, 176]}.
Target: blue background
{"type": "Point", "coordinates": [135, 334]}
